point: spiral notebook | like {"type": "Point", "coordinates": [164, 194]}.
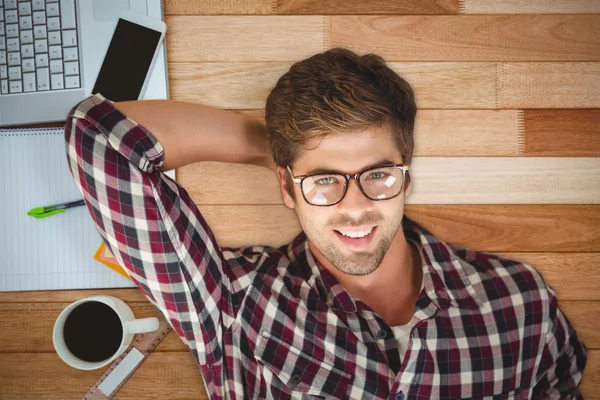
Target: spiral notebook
{"type": "Point", "coordinates": [50, 253]}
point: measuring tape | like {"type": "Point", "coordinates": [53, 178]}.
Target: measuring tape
{"type": "Point", "coordinates": [125, 365]}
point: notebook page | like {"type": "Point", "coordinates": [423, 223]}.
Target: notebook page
{"type": "Point", "coordinates": [48, 253]}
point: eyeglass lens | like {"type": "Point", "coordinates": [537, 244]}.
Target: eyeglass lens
{"type": "Point", "coordinates": [378, 184]}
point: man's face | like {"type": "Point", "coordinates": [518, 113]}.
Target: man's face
{"type": "Point", "coordinates": [348, 153]}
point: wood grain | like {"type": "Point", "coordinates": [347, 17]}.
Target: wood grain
{"type": "Point", "coordinates": [530, 7]}
{"type": "Point", "coordinates": [549, 85]}
{"type": "Point", "coordinates": [396, 38]}
{"type": "Point", "coordinates": [37, 320]}
{"type": "Point", "coordinates": [550, 133]}
{"type": "Point", "coordinates": [367, 7]}
{"type": "Point", "coordinates": [226, 7]}
{"type": "Point", "coordinates": [69, 296]}
{"type": "Point", "coordinates": [243, 38]}
{"type": "Point", "coordinates": [450, 85]}
{"type": "Point", "coordinates": [471, 37]}
{"type": "Point", "coordinates": [467, 133]}
{"type": "Point", "coordinates": [163, 375]}
{"type": "Point", "coordinates": [513, 228]}
{"type": "Point", "coordinates": [435, 180]}
{"type": "Point", "coordinates": [225, 85]}
{"type": "Point", "coordinates": [505, 180]}
{"type": "Point", "coordinates": [405, 7]}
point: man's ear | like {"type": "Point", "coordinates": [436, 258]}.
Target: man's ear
{"type": "Point", "coordinates": [408, 189]}
{"type": "Point", "coordinates": [287, 199]}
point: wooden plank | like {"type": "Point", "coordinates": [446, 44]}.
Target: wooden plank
{"type": "Point", "coordinates": [244, 38]}
{"type": "Point", "coordinates": [513, 228]}
{"type": "Point", "coordinates": [367, 7]}
{"type": "Point", "coordinates": [407, 7]}
{"type": "Point", "coordinates": [225, 85]}
{"type": "Point", "coordinates": [580, 282]}
{"type": "Point", "coordinates": [452, 38]}
{"type": "Point", "coordinates": [505, 180]}
{"type": "Point", "coordinates": [163, 375]}
{"type": "Point", "coordinates": [549, 85]}
{"type": "Point", "coordinates": [27, 327]}
{"type": "Point", "coordinates": [435, 180]}
{"type": "Point", "coordinates": [224, 7]}
{"type": "Point", "coordinates": [309, 7]}
{"type": "Point", "coordinates": [45, 376]}
{"type": "Point", "coordinates": [245, 85]}
{"type": "Point", "coordinates": [572, 133]}
{"type": "Point", "coordinates": [69, 296]}
{"type": "Point", "coordinates": [468, 133]}
{"type": "Point", "coordinates": [450, 85]}
{"type": "Point", "coordinates": [530, 7]}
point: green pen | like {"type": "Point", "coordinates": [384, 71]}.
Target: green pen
{"type": "Point", "coordinates": [43, 212]}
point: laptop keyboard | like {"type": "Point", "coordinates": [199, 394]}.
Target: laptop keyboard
{"type": "Point", "coordinates": [39, 50]}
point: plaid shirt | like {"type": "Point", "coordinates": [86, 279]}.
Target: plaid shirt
{"type": "Point", "coordinates": [265, 322]}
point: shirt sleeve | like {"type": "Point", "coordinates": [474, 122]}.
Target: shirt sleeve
{"type": "Point", "coordinates": [150, 223]}
{"type": "Point", "coordinates": [563, 358]}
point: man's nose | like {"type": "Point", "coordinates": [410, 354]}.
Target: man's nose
{"type": "Point", "coordinates": [354, 201]}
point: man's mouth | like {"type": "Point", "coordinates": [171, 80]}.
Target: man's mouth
{"type": "Point", "coordinates": [356, 239]}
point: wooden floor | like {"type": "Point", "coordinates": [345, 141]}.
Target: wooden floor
{"type": "Point", "coordinates": [507, 152]}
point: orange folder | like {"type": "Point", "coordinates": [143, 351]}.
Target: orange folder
{"type": "Point", "coordinates": [105, 256]}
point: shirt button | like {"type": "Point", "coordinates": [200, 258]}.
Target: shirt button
{"type": "Point", "coordinates": [296, 378]}
{"type": "Point", "coordinates": [399, 396]}
{"type": "Point", "coordinates": [382, 334]}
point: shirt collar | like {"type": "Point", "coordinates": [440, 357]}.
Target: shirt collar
{"type": "Point", "coordinates": [444, 279]}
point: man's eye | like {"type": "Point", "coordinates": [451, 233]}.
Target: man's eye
{"type": "Point", "coordinates": [378, 175]}
{"type": "Point", "coordinates": [326, 181]}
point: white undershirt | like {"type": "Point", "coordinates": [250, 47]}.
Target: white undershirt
{"type": "Point", "coordinates": [402, 332]}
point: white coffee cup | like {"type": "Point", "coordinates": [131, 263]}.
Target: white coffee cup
{"type": "Point", "coordinates": [130, 326]}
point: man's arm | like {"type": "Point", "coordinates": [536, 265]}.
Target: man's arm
{"type": "Point", "coordinates": [193, 132]}
{"type": "Point", "coordinates": [147, 220]}
{"type": "Point", "coordinates": [563, 359]}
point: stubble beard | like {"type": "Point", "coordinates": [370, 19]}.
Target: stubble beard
{"type": "Point", "coordinates": [357, 263]}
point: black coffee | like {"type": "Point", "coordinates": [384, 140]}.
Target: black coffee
{"type": "Point", "coordinates": [93, 331]}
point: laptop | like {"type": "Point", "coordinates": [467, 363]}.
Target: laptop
{"type": "Point", "coordinates": [51, 52]}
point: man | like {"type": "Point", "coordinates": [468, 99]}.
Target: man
{"type": "Point", "coordinates": [364, 303]}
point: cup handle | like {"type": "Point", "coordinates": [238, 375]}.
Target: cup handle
{"type": "Point", "coordinates": [142, 325]}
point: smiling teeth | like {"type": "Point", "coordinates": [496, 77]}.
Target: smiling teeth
{"type": "Point", "coordinates": [358, 234]}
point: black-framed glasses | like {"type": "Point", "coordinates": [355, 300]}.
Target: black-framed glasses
{"type": "Point", "coordinates": [328, 189]}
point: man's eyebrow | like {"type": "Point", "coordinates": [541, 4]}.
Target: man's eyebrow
{"type": "Point", "coordinates": [321, 170]}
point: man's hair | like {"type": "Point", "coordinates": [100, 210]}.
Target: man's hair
{"type": "Point", "coordinates": [338, 91]}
